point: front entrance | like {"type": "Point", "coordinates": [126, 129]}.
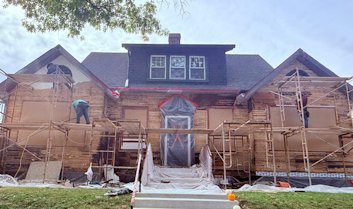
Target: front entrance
{"type": "Point", "coordinates": [177, 150]}
{"type": "Point", "coordinates": [177, 147]}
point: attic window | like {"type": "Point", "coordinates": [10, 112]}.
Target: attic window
{"type": "Point", "coordinates": [197, 70]}
{"type": "Point", "coordinates": [158, 67]}
{"type": "Point", "coordinates": [301, 73]}
{"type": "Point", "coordinates": [57, 69]}
{"type": "Point", "coordinates": [177, 68]}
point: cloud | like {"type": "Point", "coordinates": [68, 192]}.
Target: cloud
{"type": "Point", "coordinates": [274, 29]}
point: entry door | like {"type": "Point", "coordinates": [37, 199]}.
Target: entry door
{"type": "Point", "coordinates": [178, 147]}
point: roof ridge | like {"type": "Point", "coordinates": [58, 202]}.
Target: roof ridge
{"type": "Point", "coordinates": [243, 55]}
{"type": "Point", "coordinates": [110, 52]}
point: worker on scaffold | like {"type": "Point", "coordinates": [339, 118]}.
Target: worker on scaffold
{"type": "Point", "coordinates": [304, 114]}
{"type": "Point", "coordinates": [81, 108]}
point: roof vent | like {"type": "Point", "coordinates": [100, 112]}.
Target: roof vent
{"type": "Point", "coordinates": [174, 38]}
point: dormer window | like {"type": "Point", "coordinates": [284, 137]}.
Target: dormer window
{"type": "Point", "coordinates": [158, 67]}
{"type": "Point", "coordinates": [197, 69]}
{"type": "Point", "coordinates": [177, 68]}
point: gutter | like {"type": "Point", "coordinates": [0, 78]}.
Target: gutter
{"type": "Point", "coordinates": [173, 90]}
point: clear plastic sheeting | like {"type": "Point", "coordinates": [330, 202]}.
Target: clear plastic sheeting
{"type": "Point", "coordinates": [313, 188]}
{"type": "Point", "coordinates": [180, 179]}
{"type": "Point", "coordinates": [177, 150]}
{"type": "Point", "coordinates": [7, 180]}
{"type": "Point", "coordinates": [329, 189]}
{"type": "Point", "coordinates": [148, 166]}
{"type": "Point", "coordinates": [197, 178]}
{"type": "Point", "coordinates": [262, 188]}
{"type": "Point", "coordinates": [206, 161]}
{"type": "Point", "coordinates": [110, 175]}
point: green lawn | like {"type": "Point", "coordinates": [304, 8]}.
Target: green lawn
{"type": "Point", "coordinates": [295, 200]}
{"type": "Point", "coordinates": [94, 198]}
{"type": "Point", "coordinates": [59, 198]}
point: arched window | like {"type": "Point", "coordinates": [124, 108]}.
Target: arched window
{"type": "Point", "coordinates": [301, 73]}
{"type": "Point", "coordinates": [54, 69]}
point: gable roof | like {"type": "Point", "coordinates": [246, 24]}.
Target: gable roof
{"type": "Point", "coordinates": [111, 68]}
{"type": "Point", "coordinates": [301, 56]}
{"type": "Point", "coordinates": [243, 71]}
{"type": "Point", "coordinates": [48, 57]}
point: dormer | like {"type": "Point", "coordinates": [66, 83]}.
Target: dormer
{"type": "Point", "coordinates": [177, 63]}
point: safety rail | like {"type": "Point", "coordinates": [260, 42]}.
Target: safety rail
{"type": "Point", "coordinates": [137, 184]}
{"type": "Point", "coordinates": [227, 131]}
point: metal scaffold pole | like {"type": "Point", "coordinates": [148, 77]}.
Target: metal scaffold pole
{"type": "Point", "coordinates": [302, 130]}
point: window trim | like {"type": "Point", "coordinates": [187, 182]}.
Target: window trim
{"type": "Point", "coordinates": [170, 67]}
{"type": "Point", "coordinates": [165, 66]}
{"type": "Point", "coordinates": [204, 68]}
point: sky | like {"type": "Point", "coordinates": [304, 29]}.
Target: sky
{"type": "Point", "coordinates": [274, 29]}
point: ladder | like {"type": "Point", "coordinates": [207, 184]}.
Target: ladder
{"type": "Point", "coordinates": [4, 135]}
{"type": "Point", "coordinates": [306, 160]}
{"type": "Point", "coordinates": [246, 148]}
{"type": "Point", "coordinates": [281, 107]}
{"type": "Point", "coordinates": [269, 149]}
{"type": "Point", "coordinates": [106, 150]}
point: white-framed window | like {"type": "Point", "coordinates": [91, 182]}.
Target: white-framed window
{"type": "Point", "coordinates": [197, 69]}
{"type": "Point", "coordinates": [177, 67]}
{"type": "Point", "coordinates": [158, 67]}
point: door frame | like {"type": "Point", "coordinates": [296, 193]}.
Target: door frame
{"type": "Point", "coordinates": [166, 137]}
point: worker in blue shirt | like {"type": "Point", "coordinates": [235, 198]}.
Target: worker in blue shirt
{"type": "Point", "coordinates": [81, 108]}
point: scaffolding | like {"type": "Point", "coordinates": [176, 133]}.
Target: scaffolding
{"type": "Point", "coordinates": [229, 133]}
{"type": "Point", "coordinates": [104, 128]}
{"type": "Point", "coordinates": [298, 82]}
{"type": "Point", "coordinates": [23, 82]}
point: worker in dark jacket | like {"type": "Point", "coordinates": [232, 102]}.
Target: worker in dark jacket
{"type": "Point", "coordinates": [81, 108]}
{"type": "Point", "coordinates": [305, 113]}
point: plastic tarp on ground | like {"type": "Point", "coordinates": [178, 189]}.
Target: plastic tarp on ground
{"type": "Point", "coordinates": [177, 150]}
{"type": "Point", "coordinates": [7, 180]}
{"type": "Point", "coordinates": [195, 179]}
{"type": "Point", "coordinates": [302, 182]}
{"type": "Point", "coordinates": [313, 188]}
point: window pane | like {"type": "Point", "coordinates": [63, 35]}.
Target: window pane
{"type": "Point", "coordinates": [158, 67]}
{"type": "Point", "coordinates": [158, 62]}
{"type": "Point", "coordinates": [198, 62]}
{"type": "Point", "coordinates": [197, 74]}
{"type": "Point", "coordinates": [178, 62]}
{"type": "Point", "coordinates": [177, 73]}
{"type": "Point", "coordinates": [158, 73]}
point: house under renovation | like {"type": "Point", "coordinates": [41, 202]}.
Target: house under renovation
{"type": "Point", "coordinates": [174, 105]}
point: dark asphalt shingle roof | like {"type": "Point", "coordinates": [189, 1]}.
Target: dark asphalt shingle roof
{"type": "Point", "coordinates": [111, 68]}
{"type": "Point", "coordinates": [243, 71]}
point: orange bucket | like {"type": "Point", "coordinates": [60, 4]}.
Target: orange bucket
{"type": "Point", "coordinates": [283, 184]}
